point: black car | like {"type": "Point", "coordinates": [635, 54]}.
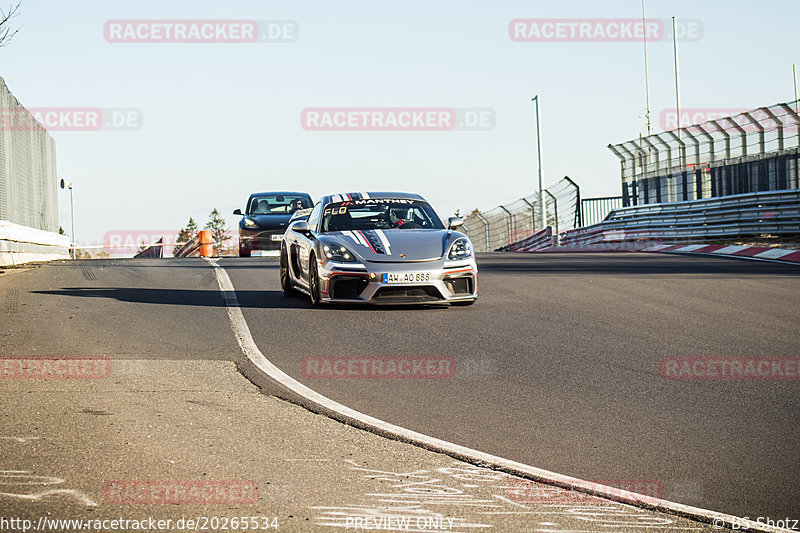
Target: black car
{"type": "Point", "coordinates": [266, 217]}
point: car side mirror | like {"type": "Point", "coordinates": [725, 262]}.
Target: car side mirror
{"type": "Point", "coordinates": [237, 212]}
{"type": "Point", "coordinates": [455, 222]}
{"type": "Point", "coordinates": [301, 226]}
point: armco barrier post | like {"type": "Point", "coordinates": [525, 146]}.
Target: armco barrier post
{"type": "Point", "coordinates": [206, 248]}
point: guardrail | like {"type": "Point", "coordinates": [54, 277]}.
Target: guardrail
{"type": "Point", "coordinates": [154, 250]}
{"type": "Point", "coordinates": [538, 241]}
{"type": "Point", "coordinates": [742, 215]}
{"type": "Point", "coordinates": [200, 245]}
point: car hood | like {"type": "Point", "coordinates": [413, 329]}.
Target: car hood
{"type": "Point", "coordinates": [396, 245]}
{"type": "Point", "coordinates": [270, 221]}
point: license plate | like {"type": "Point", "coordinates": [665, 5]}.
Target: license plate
{"type": "Point", "coordinates": [406, 277]}
{"type": "Point", "coordinates": [277, 237]}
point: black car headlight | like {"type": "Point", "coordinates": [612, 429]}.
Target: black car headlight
{"type": "Point", "coordinates": [460, 249]}
{"type": "Point", "coordinates": [338, 253]}
{"type": "Point", "coordinates": [249, 222]}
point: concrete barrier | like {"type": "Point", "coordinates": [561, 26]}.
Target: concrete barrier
{"type": "Point", "coordinates": [21, 244]}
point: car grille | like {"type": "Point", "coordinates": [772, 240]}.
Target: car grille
{"type": "Point", "coordinates": [348, 288]}
{"type": "Point", "coordinates": [462, 285]}
{"type": "Point", "coordinates": [406, 294]}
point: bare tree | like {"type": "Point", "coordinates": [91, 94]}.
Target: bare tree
{"type": "Point", "coordinates": [6, 33]}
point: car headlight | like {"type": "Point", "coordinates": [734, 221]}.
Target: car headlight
{"type": "Point", "coordinates": [250, 223]}
{"type": "Point", "coordinates": [338, 253]}
{"type": "Point", "coordinates": [460, 249]}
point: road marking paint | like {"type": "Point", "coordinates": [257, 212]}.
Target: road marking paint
{"type": "Point", "coordinates": [358, 419]}
{"type": "Point", "coordinates": [27, 478]}
{"type": "Point", "coordinates": [81, 497]}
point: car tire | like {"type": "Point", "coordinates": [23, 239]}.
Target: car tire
{"type": "Point", "coordinates": [313, 282]}
{"type": "Point", "coordinates": [244, 252]}
{"type": "Point", "coordinates": [286, 280]}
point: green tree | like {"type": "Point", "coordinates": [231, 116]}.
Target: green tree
{"type": "Point", "coordinates": [185, 234]}
{"type": "Point", "coordinates": [191, 227]}
{"type": "Point", "coordinates": [219, 232]}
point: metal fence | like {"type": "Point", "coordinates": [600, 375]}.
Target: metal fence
{"type": "Point", "coordinates": [594, 210]}
{"type": "Point", "coordinates": [506, 224]}
{"type": "Point", "coordinates": [753, 151]}
{"type": "Point", "coordinates": [28, 192]}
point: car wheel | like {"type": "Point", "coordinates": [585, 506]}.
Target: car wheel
{"type": "Point", "coordinates": [244, 252]}
{"type": "Point", "coordinates": [286, 281]}
{"type": "Point", "coordinates": [313, 281]}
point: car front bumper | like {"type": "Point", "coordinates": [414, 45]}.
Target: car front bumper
{"type": "Point", "coordinates": [444, 282]}
{"type": "Point", "coordinates": [269, 239]}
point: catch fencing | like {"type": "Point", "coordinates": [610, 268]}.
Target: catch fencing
{"type": "Point", "coordinates": [753, 151]}
{"type": "Point", "coordinates": [510, 223]}
{"type": "Point", "coordinates": [28, 188]}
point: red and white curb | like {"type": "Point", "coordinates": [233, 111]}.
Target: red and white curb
{"type": "Point", "coordinates": [749, 252]}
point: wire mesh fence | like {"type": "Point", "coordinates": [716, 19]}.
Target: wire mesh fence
{"type": "Point", "coordinates": [506, 224]}
{"type": "Point", "coordinates": [28, 192]}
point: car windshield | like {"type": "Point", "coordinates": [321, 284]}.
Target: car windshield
{"type": "Point", "coordinates": [277, 204]}
{"type": "Point", "coordinates": [379, 213]}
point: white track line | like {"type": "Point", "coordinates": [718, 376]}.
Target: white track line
{"type": "Point", "coordinates": [245, 339]}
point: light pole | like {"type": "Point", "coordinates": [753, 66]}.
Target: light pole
{"type": "Point", "coordinates": [677, 76]}
{"type": "Point", "coordinates": [68, 184]}
{"type": "Point", "coordinates": [539, 154]}
{"type": "Point", "coordinates": [646, 73]}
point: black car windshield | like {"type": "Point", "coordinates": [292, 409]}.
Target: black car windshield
{"type": "Point", "coordinates": [379, 213]}
{"type": "Point", "coordinates": [277, 204]}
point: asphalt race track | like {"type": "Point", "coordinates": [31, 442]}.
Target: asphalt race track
{"type": "Point", "coordinates": [557, 365]}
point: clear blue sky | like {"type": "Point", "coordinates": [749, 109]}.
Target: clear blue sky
{"type": "Point", "coordinates": [223, 120]}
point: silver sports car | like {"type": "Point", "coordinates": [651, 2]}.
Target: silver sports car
{"type": "Point", "coordinates": [378, 248]}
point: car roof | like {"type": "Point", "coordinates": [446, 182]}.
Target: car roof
{"type": "Point", "coordinates": [279, 193]}
{"type": "Point", "coordinates": [341, 197]}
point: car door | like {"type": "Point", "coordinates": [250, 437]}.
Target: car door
{"type": "Point", "coordinates": [304, 243]}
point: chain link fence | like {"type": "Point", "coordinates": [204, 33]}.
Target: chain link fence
{"type": "Point", "coordinates": [28, 192]}
{"type": "Point", "coordinates": [505, 224]}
